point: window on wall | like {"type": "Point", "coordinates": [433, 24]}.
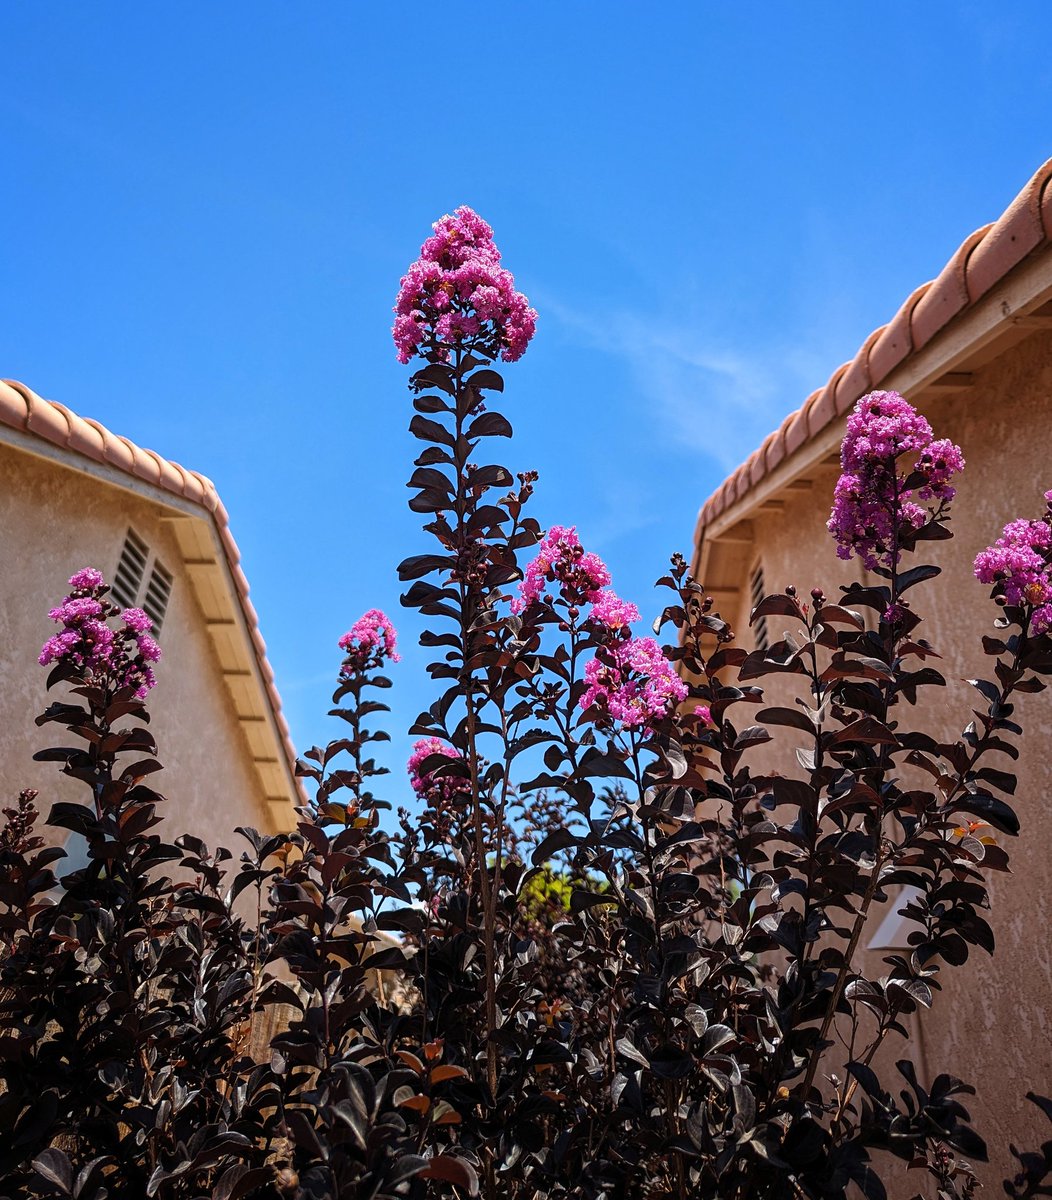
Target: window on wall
{"type": "Point", "coordinates": [134, 587]}
{"type": "Point", "coordinates": [757, 591]}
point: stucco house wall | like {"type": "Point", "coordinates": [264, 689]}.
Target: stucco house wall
{"type": "Point", "coordinates": [973, 351]}
{"type": "Point", "coordinates": [992, 1023]}
{"type": "Point", "coordinates": [54, 520]}
{"type": "Point", "coordinates": [70, 492]}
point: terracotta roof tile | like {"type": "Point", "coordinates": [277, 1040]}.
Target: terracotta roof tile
{"type": "Point", "coordinates": [84, 439]}
{"type": "Point", "coordinates": [895, 343]}
{"type": "Point", "coordinates": [23, 409]}
{"type": "Point", "coordinates": [823, 410]}
{"type": "Point", "coordinates": [739, 482]}
{"type": "Point", "coordinates": [856, 380]}
{"type": "Point", "coordinates": [1046, 206]}
{"type": "Point", "coordinates": [776, 449]}
{"type": "Point", "coordinates": [981, 261]}
{"type": "Point", "coordinates": [796, 433]}
{"type": "Point", "coordinates": [947, 295]}
{"type": "Point", "coordinates": [47, 420]}
{"type": "Point", "coordinates": [193, 489]}
{"type": "Point", "coordinates": [1021, 229]}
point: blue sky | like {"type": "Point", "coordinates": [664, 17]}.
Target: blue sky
{"type": "Point", "coordinates": [207, 209]}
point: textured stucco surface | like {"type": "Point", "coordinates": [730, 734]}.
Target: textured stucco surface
{"type": "Point", "coordinates": [992, 1022]}
{"type": "Point", "coordinates": [54, 520]}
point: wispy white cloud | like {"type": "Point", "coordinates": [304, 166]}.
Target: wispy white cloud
{"type": "Point", "coordinates": [716, 399]}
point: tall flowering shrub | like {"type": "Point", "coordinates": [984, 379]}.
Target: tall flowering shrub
{"type": "Point", "coordinates": [605, 955]}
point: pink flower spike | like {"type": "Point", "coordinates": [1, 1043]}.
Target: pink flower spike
{"type": "Point", "coordinates": [561, 558]}
{"type": "Point", "coordinates": [94, 651]}
{"type": "Point", "coordinates": [424, 783]}
{"type": "Point", "coordinates": [369, 641]}
{"type": "Point", "coordinates": [1019, 564]}
{"type": "Point", "coordinates": [872, 507]}
{"type": "Point", "coordinates": [633, 682]}
{"type": "Point", "coordinates": [458, 294]}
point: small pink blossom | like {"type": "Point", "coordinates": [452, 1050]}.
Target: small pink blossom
{"type": "Point", "coordinates": [426, 786]}
{"type": "Point", "coordinates": [704, 715]}
{"type": "Point", "coordinates": [59, 646]}
{"type": "Point", "coordinates": [1019, 564]}
{"type": "Point", "coordinates": [1041, 621]}
{"type": "Point", "coordinates": [73, 610]}
{"type": "Point", "coordinates": [369, 641]}
{"type": "Point", "coordinates": [940, 462]}
{"type": "Point", "coordinates": [882, 426]}
{"type": "Point", "coordinates": [561, 558]}
{"type": "Point", "coordinates": [137, 620]}
{"type": "Point", "coordinates": [86, 579]}
{"type": "Point", "coordinates": [610, 610]}
{"type": "Point", "coordinates": [148, 648]}
{"type": "Point", "coordinates": [633, 682]}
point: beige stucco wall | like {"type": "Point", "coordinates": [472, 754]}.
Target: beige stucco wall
{"type": "Point", "coordinates": [53, 520]}
{"type": "Point", "coordinates": [992, 1023]}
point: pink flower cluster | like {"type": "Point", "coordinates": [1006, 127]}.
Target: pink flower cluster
{"type": "Point", "coordinates": [633, 682]}
{"type": "Point", "coordinates": [457, 292]}
{"type": "Point", "coordinates": [88, 643]}
{"type": "Point", "coordinates": [424, 783]}
{"type": "Point", "coordinates": [1019, 563]}
{"type": "Point", "coordinates": [369, 641]}
{"type": "Point", "coordinates": [561, 558]}
{"type": "Point", "coordinates": [871, 503]}
{"type": "Point", "coordinates": [610, 610]}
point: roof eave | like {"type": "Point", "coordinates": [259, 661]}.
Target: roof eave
{"type": "Point", "coordinates": [51, 431]}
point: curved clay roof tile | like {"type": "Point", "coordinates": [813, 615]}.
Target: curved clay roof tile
{"type": "Point", "coordinates": [796, 433]}
{"type": "Point", "coordinates": [1016, 233]}
{"type": "Point", "coordinates": [856, 380]}
{"type": "Point", "coordinates": [896, 342]}
{"type": "Point", "coordinates": [1046, 205]}
{"type": "Point", "coordinates": [758, 462]}
{"type": "Point", "coordinates": [776, 450]}
{"type": "Point", "coordinates": [49, 421]}
{"type": "Point", "coordinates": [12, 407]}
{"type": "Point", "coordinates": [947, 295]}
{"type": "Point", "coordinates": [193, 488]}
{"type": "Point", "coordinates": [116, 450]}
{"type": "Point", "coordinates": [148, 467]}
{"type": "Point", "coordinates": [824, 408]}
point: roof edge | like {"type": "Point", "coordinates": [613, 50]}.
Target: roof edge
{"type": "Point", "coordinates": [983, 260]}
{"type": "Point", "coordinates": [25, 411]}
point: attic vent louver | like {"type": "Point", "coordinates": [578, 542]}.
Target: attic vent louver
{"type": "Point", "coordinates": [130, 570]}
{"type": "Point", "coordinates": [757, 591]}
{"type": "Point", "coordinates": [158, 592]}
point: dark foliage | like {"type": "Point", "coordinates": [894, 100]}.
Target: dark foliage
{"type": "Point", "coordinates": [627, 962]}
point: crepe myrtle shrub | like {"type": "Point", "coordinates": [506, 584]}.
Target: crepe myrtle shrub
{"type": "Point", "coordinates": [731, 1047]}
{"type": "Point", "coordinates": [131, 1002]}
{"type": "Point", "coordinates": [604, 956]}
